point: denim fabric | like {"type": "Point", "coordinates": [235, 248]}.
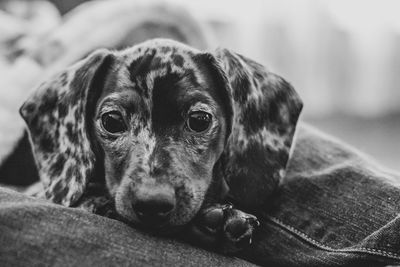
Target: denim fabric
{"type": "Point", "coordinates": [37, 233]}
{"type": "Point", "coordinates": [334, 208]}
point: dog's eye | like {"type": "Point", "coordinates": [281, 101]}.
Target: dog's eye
{"type": "Point", "coordinates": [198, 121]}
{"type": "Point", "coordinates": [113, 123]}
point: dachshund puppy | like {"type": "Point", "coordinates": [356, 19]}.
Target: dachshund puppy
{"type": "Point", "coordinates": [167, 135]}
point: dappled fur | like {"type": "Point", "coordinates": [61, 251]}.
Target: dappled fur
{"type": "Point", "coordinates": [243, 156]}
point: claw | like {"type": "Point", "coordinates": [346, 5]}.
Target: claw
{"type": "Point", "coordinates": [230, 227]}
{"type": "Point", "coordinates": [227, 207]}
{"type": "Point", "coordinates": [253, 221]}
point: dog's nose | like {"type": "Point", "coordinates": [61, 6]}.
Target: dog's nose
{"type": "Point", "coordinates": [154, 208]}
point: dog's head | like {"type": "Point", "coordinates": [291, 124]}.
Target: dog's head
{"type": "Point", "coordinates": [163, 123]}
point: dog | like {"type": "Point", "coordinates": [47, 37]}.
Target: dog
{"type": "Point", "coordinates": [166, 137]}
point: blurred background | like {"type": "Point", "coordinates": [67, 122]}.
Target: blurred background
{"type": "Point", "coordinates": [342, 56]}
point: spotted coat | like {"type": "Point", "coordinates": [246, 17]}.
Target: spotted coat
{"type": "Point", "coordinates": [260, 111]}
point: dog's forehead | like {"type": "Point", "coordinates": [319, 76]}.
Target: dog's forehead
{"type": "Point", "coordinates": [162, 68]}
{"type": "Point", "coordinates": [161, 46]}
{"type": "Point", "coordinates": [160, 58]}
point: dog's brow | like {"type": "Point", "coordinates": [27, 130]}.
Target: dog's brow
{"type": "Point", "coordinates": [201, 106]}
{"type": "Point", "coordinates": [196, 96]}
{"type": "Point", "coordinates": [126, 99]}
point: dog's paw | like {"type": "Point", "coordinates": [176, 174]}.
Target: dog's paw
{"type": "Point", "coordinates": [229, 230]}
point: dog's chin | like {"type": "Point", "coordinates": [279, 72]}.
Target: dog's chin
{"type": "Point", "coordinates": [165, 229]}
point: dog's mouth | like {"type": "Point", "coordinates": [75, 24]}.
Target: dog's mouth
{"type": "Point", "coordinates": [153, 224]}
{"type": "Point", "coordinates": [164, 229]}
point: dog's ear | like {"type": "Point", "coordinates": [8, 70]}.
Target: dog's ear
{"type": "Point", "coordinates": [58, 115]}
{"type": "Point", "coordinates": [262, 121]}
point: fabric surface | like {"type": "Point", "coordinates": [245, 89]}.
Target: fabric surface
{"type": "Point", "coordinates": [334, 208]}
{"type": "Point", "coordinates": [38, 233]}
